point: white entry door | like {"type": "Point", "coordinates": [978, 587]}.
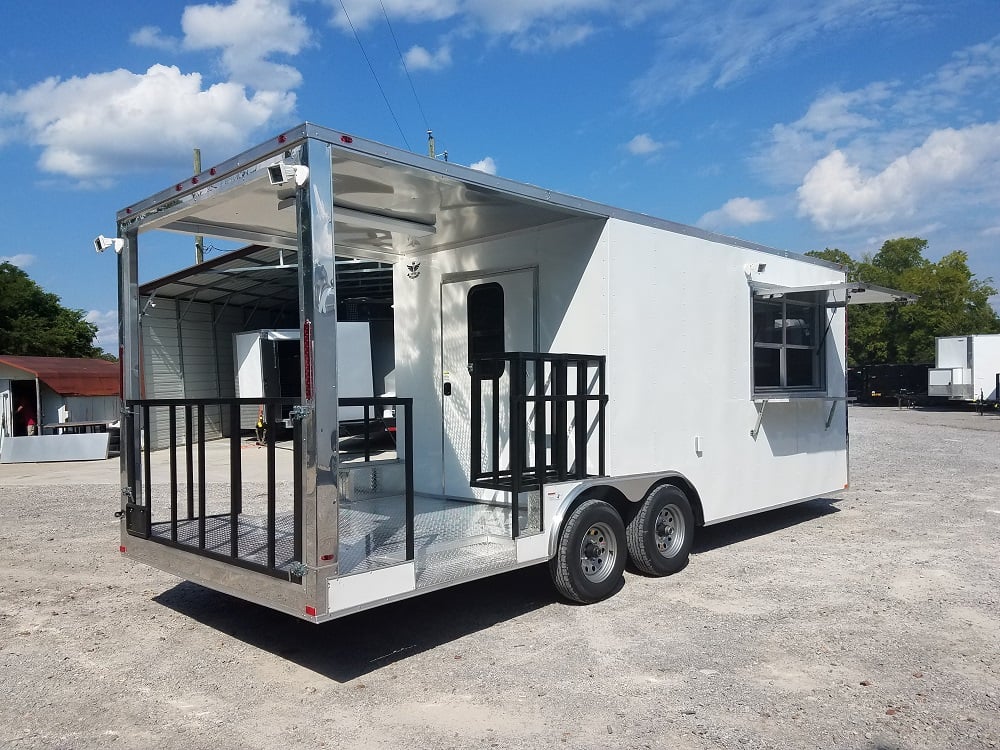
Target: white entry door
{"type": "Point", "coordinates": [493, 313]}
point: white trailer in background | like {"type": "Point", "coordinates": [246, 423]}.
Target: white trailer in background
{"type": "Point", "coordinates": [966, 368]}
{"type": "Point", "coordinates": [268, 365]}
{"type": "Point", "coordinates": [574, 384]}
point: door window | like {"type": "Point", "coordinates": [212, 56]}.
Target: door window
{"type": "Point", "coordinates": [485, 326]}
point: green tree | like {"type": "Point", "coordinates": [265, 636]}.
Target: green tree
{"type": "Point", "coordinates": [33, 322]}
{"type": "Point", "coordinates": [952, 302]}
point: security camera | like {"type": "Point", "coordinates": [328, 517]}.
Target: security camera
{"type": "Point", "coordinates": [280, 173]}
{"type": "Point", "coordinates": [102, 243]}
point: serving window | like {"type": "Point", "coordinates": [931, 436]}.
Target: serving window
{"type": "Point", "coordinates": [788, 342]}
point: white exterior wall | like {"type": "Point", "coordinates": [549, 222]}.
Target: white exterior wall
{"type": "Point", "coordinates": [985, 365]}
{"type": "Point", "coordinates": [568, 286]}
{"type": "Point", "coordinates": [680, 368]}
{"type": "Point", "coordinates": [672, 314]}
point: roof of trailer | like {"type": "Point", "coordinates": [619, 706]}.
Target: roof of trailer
{"type": "Point", "coordinates": [70, 376]}
{"type": "Point", "coordinates": [387, 202]}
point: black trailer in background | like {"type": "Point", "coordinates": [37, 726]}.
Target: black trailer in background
{"type": "Point", "coordinates": [889, 384]}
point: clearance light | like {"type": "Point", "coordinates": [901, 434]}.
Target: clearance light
{"type": "Point", "coordinates": [346, 139]}
{"type": "Point", "coordinates": [307, 353]}
{"type": "Point", "coordinates": [311, 611]}
{"type": "Point", "coordinates": [326, 558]}
{"type": "Point", "coordinates": [122, 549]}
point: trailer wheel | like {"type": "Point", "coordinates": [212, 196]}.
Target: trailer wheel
{"type": "Point", "coordinates": [590, 559]}
{"type": "Point", "coordinates": [660, 531]}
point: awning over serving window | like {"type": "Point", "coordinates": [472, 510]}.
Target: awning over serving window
{"type": "Point", "coordinates": [857, 293]}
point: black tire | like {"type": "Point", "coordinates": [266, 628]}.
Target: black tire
{"type": "Point", "coordinates": [660, 531]}
{"type": "Point", "coordinates": [590, 560]}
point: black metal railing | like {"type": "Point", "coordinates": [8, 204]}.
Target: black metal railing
{"type": "Point", "coordinates": [222, 531]}
{"type": "Point", "coordinates": [374, 425]}
{"type": "Point", "coordinates": [564, 390]}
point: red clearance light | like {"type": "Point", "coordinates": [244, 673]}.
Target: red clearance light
{"type": "Point", "coordinates": [326, 557]}
{"type": "Point", "coordinates": [346, 139]}
{"type": "Point", "coordinates": [194, 180]}
{"type": "Point", "coordinates": [122, 549]}
{"type": "Point", "coordinates": [179, 188]}
{"type": "Point", "coordinates": [307, 353]}
{"type": "Point", "coordinates": [282, 138]}
{"type": "Point", "coordinates": [311, 611]}
{"type": "Point", "coordinates": [212, 171]}
{"type": "Point", "coordinates": [128, 210]}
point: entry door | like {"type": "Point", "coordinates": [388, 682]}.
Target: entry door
{"type": "Point", "coordinates": [6, 410]}
{"type": "Point", "coordinates": [494, 313]}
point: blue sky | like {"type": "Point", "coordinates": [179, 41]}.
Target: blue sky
{"type": "Point", "coordinates": [800, 125]}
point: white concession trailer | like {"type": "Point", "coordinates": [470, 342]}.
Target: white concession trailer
{"type": "Point", "coordinates": [966, 368]}
{"type": "Point", "coordinates": [572, 384]}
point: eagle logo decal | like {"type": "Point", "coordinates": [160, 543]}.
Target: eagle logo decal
{"type": "Point", "coordinates": [413, 270]}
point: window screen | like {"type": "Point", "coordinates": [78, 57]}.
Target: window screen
{"type": "Point", "coordinates": [486, 316]}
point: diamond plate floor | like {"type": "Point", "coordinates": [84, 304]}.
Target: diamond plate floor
{"type": "Point", "coordinates": [251, 537]}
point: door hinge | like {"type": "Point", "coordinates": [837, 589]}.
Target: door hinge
{"type": "Point", "coordinates": [300, 412]}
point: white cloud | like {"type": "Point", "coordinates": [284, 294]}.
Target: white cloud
{"type": "Point", "coordinates": [714, 44]}
{"type": "Point", "coordinates": [93, 126]}
{"type": "Point", "coordinates": [837, 194]}
{"type": "Point", "coordinates": [736, 211]}
{"type": "Point", "coordinates": [248, 32]}
{"type": "Point", "coordinates": [643, 145]}
{"type": "Point", "coordinates": [555, 37]}
{"type": "Point", "coordinates": [486, 165]}
{"type": "Point", "coordinates": [153, 37]}
{"type": "Point", "coordinates": [364, 13]}
{"type": "Point", "coordinates": [530, 25]}
{"type": "Point", "coordinates": [21, 260]}
{"type": "Point", "coordinates": [418, 58]}
{"type": "Point", "coordinates": [107, 328]}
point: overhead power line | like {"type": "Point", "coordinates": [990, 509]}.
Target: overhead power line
{"type": "Point", "coordinates": [405, 69]}
{"type": "Point", "coordinates": [374, 74]}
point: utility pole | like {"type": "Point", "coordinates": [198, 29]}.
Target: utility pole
{"type": "Point", "coordinates": [199, 241]}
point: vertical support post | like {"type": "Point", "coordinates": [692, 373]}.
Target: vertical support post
{"type": "Point", "coordinates": [271, 514]}
{"type": "Point", "coordinates": [201, 476]}
{"type": "Point", "coordinates": [580, 417]}
{"type": "Point", "coordinates": [130, 451]}
{"type": "Point", "coordinates": [318, 459]}
{"type": "Point", "coordinates": [408, 471]}
{"type": "Point", "coordinates": [602, 408]}
{"type": "Point", "coordinates": [516, 414]}
{"type": "Point", "coordinates": [559, 436]}
{"type": "Point", "coordinates": [495, 426]}
{"type": "Point", "coordinates": [297, 490]}
{"type": "Point", "coordinates": [475, 428]}
{"type": "Point", "coordinates": [189, 456]}
{"type": "Point", "coordinates": [540, 422]}
{"type": "Point", "coordinates": [173, 473]}
{"type": "Point", "coordinates": [147, 470]}
{"type": "Point", "coordinates": [235, 480]}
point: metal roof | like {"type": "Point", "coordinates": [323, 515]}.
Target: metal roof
{"type": "Point", "coordinates": [266, 279]}
{"type": "Point", "coordinates": [69, 376]}
{"type": "Point", "coordinates": [388, 203]}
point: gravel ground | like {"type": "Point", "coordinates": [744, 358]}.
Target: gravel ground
{"type": "Point", "coordinates": [871, 620]}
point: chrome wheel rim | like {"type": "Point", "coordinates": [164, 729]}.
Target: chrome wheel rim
{"type": "Point", "coordinates": [668, 530]}
{"type": "Point", "coordinates": [598, 552]}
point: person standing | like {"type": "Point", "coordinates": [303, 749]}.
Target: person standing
{"type": "Point", "coordinates": [26, 415]}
